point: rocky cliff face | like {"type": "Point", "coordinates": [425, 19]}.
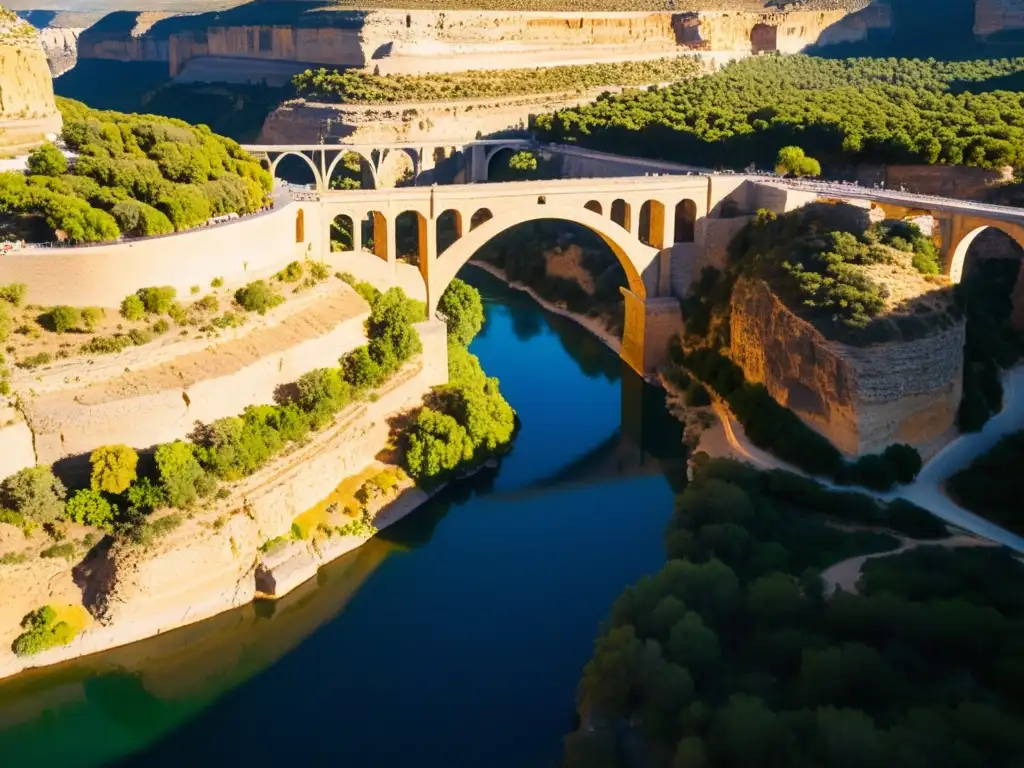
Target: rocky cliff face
{"type": "Point", "coordinates": [27, 109]}
{"type": "Point", "coordinates": [60, 44]}
{"type": "Point", "coordinates": [424, 41]}
{"type": "Point", "coordinates": [862, 399]}
{"type": "Point", "coordinates": [991, 16]}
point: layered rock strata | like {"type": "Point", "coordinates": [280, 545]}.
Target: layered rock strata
{"type": "Point", "coordinates": [862, 399]}
{"type": "Point", "coordinates": [28, 113]}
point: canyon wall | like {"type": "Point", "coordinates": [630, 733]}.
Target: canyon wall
{"type": "Point", "coordinates": [991, 16]}
{"type": "Point", "coordinates": [434, 41]}
{"type": "Point", "coordinates": [28, 113]}
{"type": "Point", "coordinates": [862, 399]}
{"type": "Point", "coordinates": [60, 44]}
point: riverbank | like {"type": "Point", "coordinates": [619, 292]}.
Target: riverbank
{"type": "Point", "coordinates": [207, 565]}
{"type": "Point", "coordinates": [592, 324]}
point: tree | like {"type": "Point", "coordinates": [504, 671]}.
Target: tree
{"type": "Point", "coordinates": [793, 162]}
{"type": "Point", "coordinates": [89, 507]}
{"type": "Point", "coordinates": [463, 311]}
{"type": "Point", "coordinates": [113, 468]}
{"type": "Point", "coordinates": [905, 461]}
{"type": "Point", "coordinates": [360, 369]}
{"type": "Point", "coordinates": [64, 318]}
{"type": "Point", "coordinates": [848, 738]}
{"type": "Point", "coordinates": [258, 296]}
{"type": "Point", "coordinates": [437, 445]}
{"type": "Point", "coordinates": [180, 473]}
{"type": "Point", "coordinates": [746, 732]}
{"type": "Point", "coordinates": [35, 493]}
{"type": "Point", "coordinates": [775, 598]}
{"type": "Point", "coordinates": [132, 308]}
{"type": "Point", "coordinates": [690, 753]}
{"type": "Point", "coordinates": [693, 645]}
{"type": "Point", "coordinates": [47, 160]}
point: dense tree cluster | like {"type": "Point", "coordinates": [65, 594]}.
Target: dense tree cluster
{"type": "Point", "coordinates": [359, 87]}
{"type": "Point", "coordinates": [736, 653]}
{"type": "Point", "coordinates": [466, 421]}
{"type": "Point", "coordinates": [993, 485]}
{"type": "Point", "coordinates": [134, 175]}
{"type": "Point", "coordinates": [882, 110]}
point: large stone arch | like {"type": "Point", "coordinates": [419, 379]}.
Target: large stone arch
{"type": "Point", "coordinates": [964, 233]}
{"type": "Point", "coordinates": [312, 166]}
{"type": "Point", "coordinates": [637, 260]}
{"type": "Point", "coordinates": [341, 156]}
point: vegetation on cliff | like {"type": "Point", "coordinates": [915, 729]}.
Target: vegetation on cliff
{"type": "Point", "coordinates": [739, 653]}
{"type": "Point", "coordinates": [993, 485]}
{"type": "Point", "coordinates": [359, 87]}
{"type": "Point", "coordinates": [466, 421]}
{"type": "Point", "coordinates": [134, 175]}
{"type": "Point", "coordinates": [839, 111]}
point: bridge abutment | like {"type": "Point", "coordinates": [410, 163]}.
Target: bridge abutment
{"type": "Point", "coordinates": [649, 326]}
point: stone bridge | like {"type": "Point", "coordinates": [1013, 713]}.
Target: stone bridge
{"type": "Point", "coordinates": [663, 227]}
{"type": "Point", "coordinates": [382, 163]}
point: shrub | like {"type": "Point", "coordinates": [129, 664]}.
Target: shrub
{"type": "Point", "coordinates": [35, 493]}
{"type": "Point", "coordinates": [91, 317]}
{"type": "Point", "coordinates": [89, 507]}
{"type": "Point", "coordinates": [113, 468]}
{"type": "Point", "coordinates": [194, 290]}
{"type": "Point", "coordinates": [208, 303]}
{"type": "Point", "coordinates": [132, 308]}
{"type": "Point", "coordinates": [140, 336]}
{"type": "Point", "coordinates": [180, 473]}
{"type": "Point", "coordinates": [106, 345]}
{"type": "Point", "coordinates": [697, 397]}
{"type": "Point", "coordinates": [13, 293]}
{"type": "Point", "coordinates": [904, 460]}
{"type": "Point", "coordinates": [463, 311]}
{"type": "Point", "coordinates": [319, 271]}
{"type": "Point", "coordinates": [217, 282]}
{"type": "Point", "coordinates": [42, 632]}
{"type": "Point", "coordinates": [233, 447]}
{"type": "Point", "coordinates": [160, 327]}
{"type": "Point", "coordinates": [437, 445]}
{"type": "Point", "coordinates": [34, 361]}
{"type": "Point", "coordinates": [258, 297]}
{"type": "Point", "coordinates": [157, 300]}
{"type": "Point", "coordinates": [6, 324]}
{"type": "Point", "coordinates": [64, 318]}
{"type": "Point", "coordinates": [292, 273]}
{"type": "Point", "coordinates": [228, 320]}
{"type": "Point", "coordinates": [47, 160]}
{"type": "Point", "coordinates": [322, 393]}
{"type": "Point", "coordinates": [873, 471]}
{"type": "Point", "coordinates": [361, 371]}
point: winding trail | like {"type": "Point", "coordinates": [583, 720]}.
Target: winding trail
{"type": "Point", "coordinates": [926, 491]}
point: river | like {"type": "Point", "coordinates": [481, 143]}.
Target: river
{"type": "Point", "coordinates": [456, 637]}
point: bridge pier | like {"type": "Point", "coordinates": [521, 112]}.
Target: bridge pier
{"type": "Point", "coordinates": [649, 326]}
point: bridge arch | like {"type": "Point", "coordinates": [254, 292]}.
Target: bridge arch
{"type": "Point", "coordinates": [959, 248]}
{"type": "Point", "coordinates": [293, 153]}
{"type": "Point", "coordinates": [365, 163]}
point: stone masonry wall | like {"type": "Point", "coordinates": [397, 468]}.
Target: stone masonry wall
{"type": "Point", "coordinates": [862, 399]}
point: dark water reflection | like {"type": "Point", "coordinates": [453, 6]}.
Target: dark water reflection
{"type": "Point", "coordinates": [455, 638]}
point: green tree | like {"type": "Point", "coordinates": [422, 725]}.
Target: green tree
{"type": "Point", "coordinates": [690, 753]}
{"type": "Point", "coordinates": [47, 160]}
{"type": "Point", "coordinates": [64, 318]}
{"type": "Point", "coordinates": [89, 507]}
{"type": "Point", "coordinates": [132, 308]}
{"type": "Point", "coordinates": [360, 369]}
{"type": "Point", "coordinates": [35, 493]}
{"type": "Point", "coordinates": [113, 468]}
{"type": "Point", "coordinates": [180, 473]}
{"type": "Point", "coordinates": [793, 162]}
{"type": "Point", "coordinates": [437, 445]}
{"type": "Point", "coordinates": [463, 311]}
{"type": "Point", "coordinates": [693, 645]}
{"type": "Point", "coordinates": [746, 732]}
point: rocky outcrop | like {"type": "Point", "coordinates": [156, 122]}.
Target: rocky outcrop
{"type": "Point", "coordinates": [992, 16]}
{"type": "Point", "coordinates": [433, 41]}
{"type": "Point", "coordinates": [861, 398]}
{"type": "Point", "coordinates": [28, 113]}
{"type": "Point", "coordinates": [60, 44]}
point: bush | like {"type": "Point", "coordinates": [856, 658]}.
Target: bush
{"type": "Point", "coordinates": [64, 318]}
{"type": "Point", "coordinates": [140, 336]}
{"type": "Point", "coordinates": [360, 370]}
{"type": "Point", "coordinates": [463, 311]}
{"type": "Point", "coordinates": [180, 473]}
{"type": "Point", "coordinates": [319, 271]}
{"type": "Point", "coordinates": [208, 303]}
{"type": "Point", "coordinates": [157, 300]}
{"type": "Point", "coordinates": [66, 551]}
{"type": "Point", "coordinates": [42, 632]}
{"type": "Point", "coordinates": [91, 317]}
{"type": "Point", "coordinates": [144, 496]}
{"type": "Point", "coordinates": [873, 471]}
{"type": "Point", "coordinates": [6, 324]}
{"type": "Point", "coordinates": [36, 360]}
{"type": "Point", "coordinates": [132, 308]}
{"type": "Point", "coordinates": [106, 345]}
{"type": "Point", "coordinates": [35, 493]}
{"type": "Point", "coordinates": [217, 282]}
{"type": "Point", "coordinates": [113, 468]}
{"type": "Point", "coordinates": [904, 460]}
{"type": "Point", "coordinates": [258, 297]}
{"type": "Point", "coordinates": [89, 507]}
{"type": "Point", "coordinates": [13, 293]}
{"type": "Point", "coordinates": [292, 273]}
{"type": "Point", "coordinates": [47, 160]}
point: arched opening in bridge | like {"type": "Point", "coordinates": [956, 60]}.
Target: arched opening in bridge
{"type": "Point", "coordinates": [620, 213]}
{"type": "Point", "coordinates": [987, 266]}
{"type": "Point", "coordinates": [651, 226]}
{"type": "Point", "coordinates": [296, 169]}
{"type": "Point", "coordinates": [449, 229]}
{"type": "Point", "coordinates": [300, 226]}
{"type": "Point", "coordinates": [342, 234]}
{"type": "Point", "coordinates": [594, 206]}
{"type": "Point", "coordinates": [764, 38]}
{"type": "Point", "coordinates": [498, 168]}
{"type": "Point", "coordinates": [685, 222]}
{"type": "Point", "coordinates": [410, 237]}
{"type": "Point", "coordinates": [375, 234]}
{"type": "Point", "coordinates": [479, 218]}
{"type": "Point", "coordinates": [397, 168]}
{"type": "Point", "coordinates": [349, 170]}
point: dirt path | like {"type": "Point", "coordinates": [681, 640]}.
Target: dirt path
{"type": "Point", "coordinates": [845, 574]}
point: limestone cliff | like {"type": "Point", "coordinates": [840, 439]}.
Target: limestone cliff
{"type": "Point", "coordinates": [991, 16]}
{"type": "Point", "coordinates": [60, 44]}
{"type": "Point", "coordinates": [861, 398]}
{"type": "Point", "coordinates": [27, 109]}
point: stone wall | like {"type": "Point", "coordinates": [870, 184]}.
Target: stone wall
{"type": "Point", "coordinates": [103, 275]}
{"type": "Point", "coordinates": [862, 399]}
{"type": "Point", "coordinates": [991, 16]}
